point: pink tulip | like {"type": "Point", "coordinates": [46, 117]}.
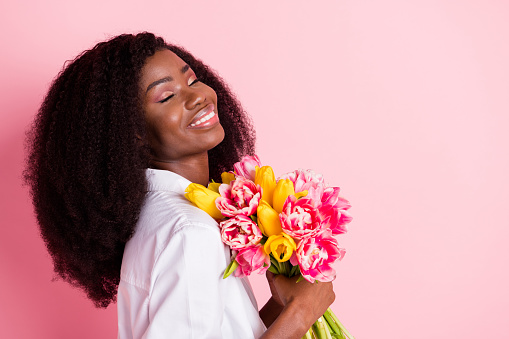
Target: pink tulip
{"type": "Point", "coordinates": [331, 197]}
{"type": "Point", "coordinates": [247, 167]}
{"type": "Point", "coordinates": [333, 210]}
{"type": "Point", "coordinates": [240, 198]}
{"type": "Point", "coordinates": [240, 232]}
{"type": "Point", "coordinates": [307, 180]}
{"type": "Point", "coordinates": [335, 219]}
{"type": "Point", "coordinates": [316, 255]}
{"type": "Point", "coordinates": [299, 218]}
{"type": "Point", "coordinates": [252, 260]}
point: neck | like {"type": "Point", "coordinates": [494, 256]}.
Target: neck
{"type": "Point", "coordinates": [194, 168]}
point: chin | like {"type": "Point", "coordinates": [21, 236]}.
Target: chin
{"type": "Point", "coordinates": [220, 136]}
{"type": "Point", "coordinates": [216, 138]}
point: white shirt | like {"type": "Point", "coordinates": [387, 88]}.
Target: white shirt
{"type": "Point", "coordinates": [171, 283]}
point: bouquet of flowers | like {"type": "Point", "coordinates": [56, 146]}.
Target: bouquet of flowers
{"type": "Point", "coordinates": [286, 226]}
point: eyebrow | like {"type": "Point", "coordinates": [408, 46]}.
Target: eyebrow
{"type": "Point", "coordinates": [166, 79]}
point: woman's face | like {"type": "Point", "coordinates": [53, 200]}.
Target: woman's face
{"type": "Point", "coordinates": [181, 111]}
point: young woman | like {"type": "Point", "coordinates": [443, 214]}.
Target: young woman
{"type": "Point", "coordinates": [123, 130]}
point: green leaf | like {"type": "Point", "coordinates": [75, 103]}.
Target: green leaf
{"type": "Point", "coordinates": [274, 261]}
{"type": "Point", "coordinates": [231, 268]}
{"type": "Point", "coordinates": [273, 269]}
{"type": "Point", "coordinates": [294, 270]}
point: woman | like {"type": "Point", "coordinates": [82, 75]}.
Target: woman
{"type": "Point", "coordinates": [124, 128]}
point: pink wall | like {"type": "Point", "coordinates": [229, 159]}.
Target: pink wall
{"type": "Point", "coordinates": [404, 104]}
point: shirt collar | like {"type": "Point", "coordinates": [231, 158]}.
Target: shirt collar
{"type": "Point", "coordinates": [162, 180]}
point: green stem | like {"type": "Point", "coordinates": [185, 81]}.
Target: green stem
{"type": "Point", "coordinates": [320, 329]}
{"type": "Point", "coordinates": [328, 325]}
{"type": "Point", "coordinates": [331, 322]}
{"type": "Point", "coordinates": [274, 265]}
{"type": "Point", "coordinates": [315, 331]}
{"type": "Point", "coordinates": [280, 268]}
{"type": "Point", "coordinates": [336, 320]}
{"type": "Point", "coordinates": [308, 335]}
{"type": "Point", "coordinates": [285, 268]}
{"type": "Point", "coordinates": [326, 328]}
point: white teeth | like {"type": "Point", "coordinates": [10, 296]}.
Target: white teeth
{"type": "Point", "coordinates": [202, 120]}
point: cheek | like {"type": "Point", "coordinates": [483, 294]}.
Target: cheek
{"type": "Point", "coordinates": [169, 132]}
{"type": "Point", "coordinates": [166, 124]}
{"type": "Point", "coordinates": [163, 134]}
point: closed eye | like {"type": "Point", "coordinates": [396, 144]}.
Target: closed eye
{"type": "Point", "coordinates": [166, 99]}
{"type": "Point", "coordinates": [194, 81]}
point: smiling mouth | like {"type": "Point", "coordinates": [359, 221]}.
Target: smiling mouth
{"type": "Point", "coordinates": [204, 118]}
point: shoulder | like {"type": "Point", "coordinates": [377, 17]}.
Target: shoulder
{"type": "Point", "coordinates": [167, 220]}
{"type": "Point", "coordinates": [167, 212]}
{"type": "Point", "coordinates": [165, 208]}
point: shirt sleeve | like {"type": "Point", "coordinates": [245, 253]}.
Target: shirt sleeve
{"type": "Point", "coordinates": [186, 299]}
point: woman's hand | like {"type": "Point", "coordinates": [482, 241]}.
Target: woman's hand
{"type": "Point", "coordinates": [273, 290]}
{"type": "Point", "coordinates": [303, 303]}
{"type": "Point", "coordinates": [313, 298]}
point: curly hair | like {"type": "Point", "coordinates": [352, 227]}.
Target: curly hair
{"type": "Point", "coordinates": [85, 164]}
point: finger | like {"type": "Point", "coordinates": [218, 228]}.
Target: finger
{"type": "Point", "coordinates": [285, 282]}
{"type": "Point", "coordinates": [270, 276]}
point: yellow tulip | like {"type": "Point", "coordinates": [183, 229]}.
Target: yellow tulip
{"type": "Point", "coordinates": [227, 177]}
{"type": "Point", "coordinates": [280, 245]}
{"type": "Point", "coordinates": [284, 188]}
{"type": "Point", "coordinates": [204, 199]}
{"type": "Point", "coordinates": [214, 186]}
{"type": "Point", "coordinates": [268, 219]}
{"type": "Point", "coordinates": [266, 179]}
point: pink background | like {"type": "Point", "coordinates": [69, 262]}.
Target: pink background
{"type": "Point", "coordinates": [404, 104]}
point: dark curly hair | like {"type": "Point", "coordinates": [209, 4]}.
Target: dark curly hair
{"type": "Point", "coordinates": [85, 164]}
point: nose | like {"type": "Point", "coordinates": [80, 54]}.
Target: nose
{"type": "Point", "coordinates": [194, 97]}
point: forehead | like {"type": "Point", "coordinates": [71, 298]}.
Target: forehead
{"type": "Point", "coordinates": [162, 64]}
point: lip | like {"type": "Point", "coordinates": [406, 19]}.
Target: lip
{"type": "Point", "coordinates": [201, 113]}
